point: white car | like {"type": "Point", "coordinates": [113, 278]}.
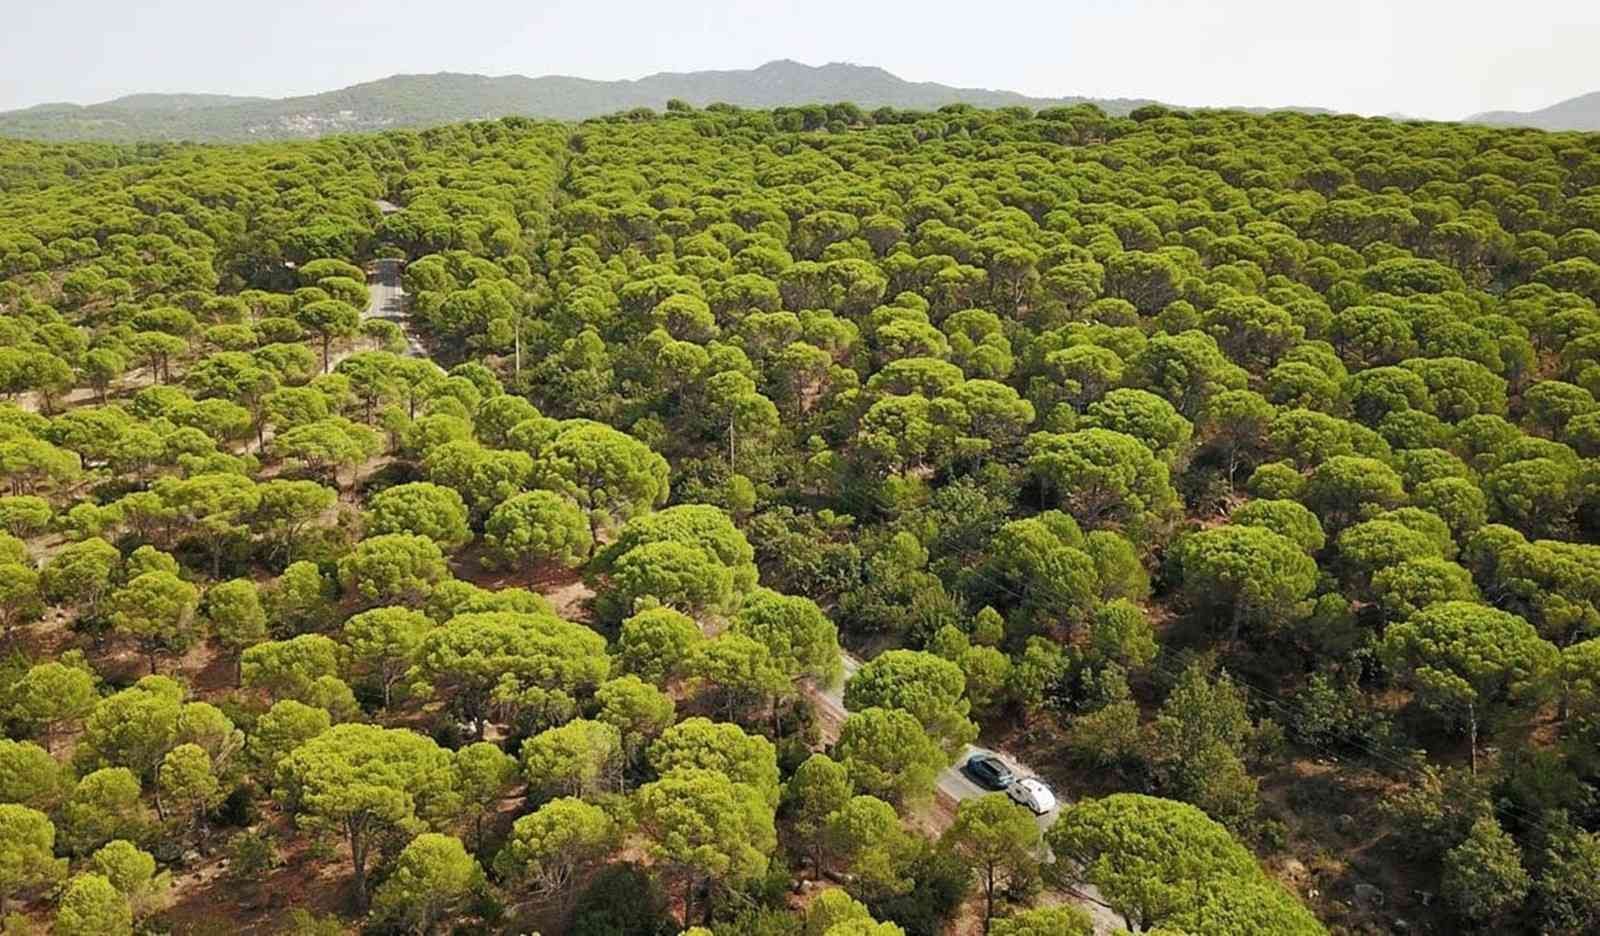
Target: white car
{"type": "Point", "coordinates": [1032, 793]}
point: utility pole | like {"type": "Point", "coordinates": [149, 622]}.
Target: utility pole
{"type": "Point", "coordinates": [517, 343]}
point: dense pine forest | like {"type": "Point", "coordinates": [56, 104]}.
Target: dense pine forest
{"type": "Point", "coordinates": [629, 527]}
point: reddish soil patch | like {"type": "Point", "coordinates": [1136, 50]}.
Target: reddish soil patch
{"type": "Point", "coordinates": [210, 671]}
{"type": "Point", "coordinates": [573, 600]}
{"type": "Point", "coordinates": [565, 588]}
{"type": "Point", "coordinates": [1342, 839]}
{"type": "Point", "coordinates": [207, 901]}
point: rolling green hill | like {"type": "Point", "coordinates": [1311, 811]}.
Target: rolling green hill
{"type": "Point", "coordinates": [430, 100]}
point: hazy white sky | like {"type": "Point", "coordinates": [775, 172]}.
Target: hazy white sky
{"type": "Point", "coordinates": [1433, 58]}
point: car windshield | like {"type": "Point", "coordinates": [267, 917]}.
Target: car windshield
{"type": "Point", "coordinates": [989, 765]}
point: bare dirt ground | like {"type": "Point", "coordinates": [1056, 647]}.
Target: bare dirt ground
{"type": "Point", "coordinates": [206, 901]}
{"type": "Point", "coordinates": [565, 588]}
{"type": "Point", "coordinates": [1345, 841]}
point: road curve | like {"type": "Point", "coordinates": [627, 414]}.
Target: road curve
{"type": "Point", "coordinates": [955, 785]}
{"type": "Point", "coordinates": [951, 781]}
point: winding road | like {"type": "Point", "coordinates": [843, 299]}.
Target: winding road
{"type": "Point", "coordinates": [954, 786]}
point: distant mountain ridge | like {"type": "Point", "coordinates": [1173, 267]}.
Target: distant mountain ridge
{"type": "Point", "coordinates": [447, 97]}
{"type": "Point", "coordinates": [1579, 113]}
{"type": "Point", "coordinates": [429, 100]}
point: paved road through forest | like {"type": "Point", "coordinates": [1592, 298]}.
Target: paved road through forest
{"type": "Point", "coordinates": [388, 301]}
{"type": "Point", "coordinates": [955, 785]}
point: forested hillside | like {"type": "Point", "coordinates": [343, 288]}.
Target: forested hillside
{"type": "Point", "coordinates": [431, 100]}
{"type": "Point", "coordinates": [1241, 474]}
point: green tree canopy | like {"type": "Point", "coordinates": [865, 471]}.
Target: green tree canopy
{"type": "Point", "coordinates": [27, 851]}
{"type": "Point", "coordinates": [889, 755]}
{"type": "Point", "coordinates": [362, 782]}
{"type": "Point", "coordinates": [929, 688]}
{"type": "Point", "coordinates": [533, 660]}
{"type": "Point", "coordinates": [538, 526]}
{"type": "Point", "coordinates": [999, 842]}
{"type": "Point", "coordinates": [92, 906]}
{"type": "Point", "coordinates": [552, 847]}
{"type": "Point", "coordinates": [1471, 662]}
{"type": "Point", "coordinates": [433, 875]}
{"type": "Point", "coordinates": [702, 827]}
{"type": "Point", "coordinates": [1147, 856]}
{"type": "Point", "coordinates": [1246, 576]}
{"type": "Point", "coordinates": [421, 509]}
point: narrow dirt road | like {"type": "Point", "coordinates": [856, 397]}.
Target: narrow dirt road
{"type": "Point", "coordinates": [953, 786]}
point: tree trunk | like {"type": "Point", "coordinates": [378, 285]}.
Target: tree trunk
{"type": "Point", "coordinates": [358, 858]}
{"type": "Point", "coordinates": [161, 809]}
{"type": "Point", "coordinates": [988, 899]}
{"type": "Point", "coordinates": [326, 340]}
